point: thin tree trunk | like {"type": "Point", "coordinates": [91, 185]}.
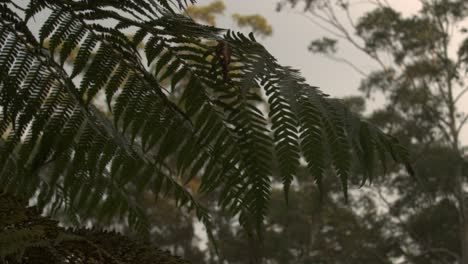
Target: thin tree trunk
{"type": "Point", "coordinates": [462, 214]}
{"type": "Point", "coordinates": [464, 241]}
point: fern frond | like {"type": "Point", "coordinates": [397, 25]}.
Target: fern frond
{"type": "Point", "coordinates": [233, 115]}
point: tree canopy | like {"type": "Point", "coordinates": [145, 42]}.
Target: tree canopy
{"type": "Point", "coordinates": [421, 71]}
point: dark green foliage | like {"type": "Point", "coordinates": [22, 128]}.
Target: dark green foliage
{"type": "Point", "coordinates": [61, 149]}
{"type": "Point", "coordinates": [324, 45]}
{"type": "Point", "coordinates": [27, 237]}
{"type": "Point", "coordinates": [443, 216]}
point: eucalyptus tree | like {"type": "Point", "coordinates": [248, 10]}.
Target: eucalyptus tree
{"type": "Point", "coordinates": [60, 149]}
{"type": "Point", "coordinates": [421, 63]}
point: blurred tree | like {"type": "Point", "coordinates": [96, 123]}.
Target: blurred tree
{"type": "Point", "coordinates": [207, 14]}
{"type": "Point", "coordinates": [422, 72]}
{"type": "Point", "coordinates": [257, 23]}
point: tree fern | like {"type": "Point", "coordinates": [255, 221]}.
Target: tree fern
{"type": "Point", "coordinates": [70, 155]}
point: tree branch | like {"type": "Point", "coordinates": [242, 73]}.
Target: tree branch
{"type": "Point", "coordinates": [347, 62]}
{"type": "Point", "coordinates": [460, 95]}
{"type": "Point", "coordinates": [318, 24]}
{"type": "Point", "coordinates": [462, 123]}
{"type": "Point", "coordinates": [442, 250]}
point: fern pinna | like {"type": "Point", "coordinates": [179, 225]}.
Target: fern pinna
{"type": "Point", "coordinates": [196, 102]}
